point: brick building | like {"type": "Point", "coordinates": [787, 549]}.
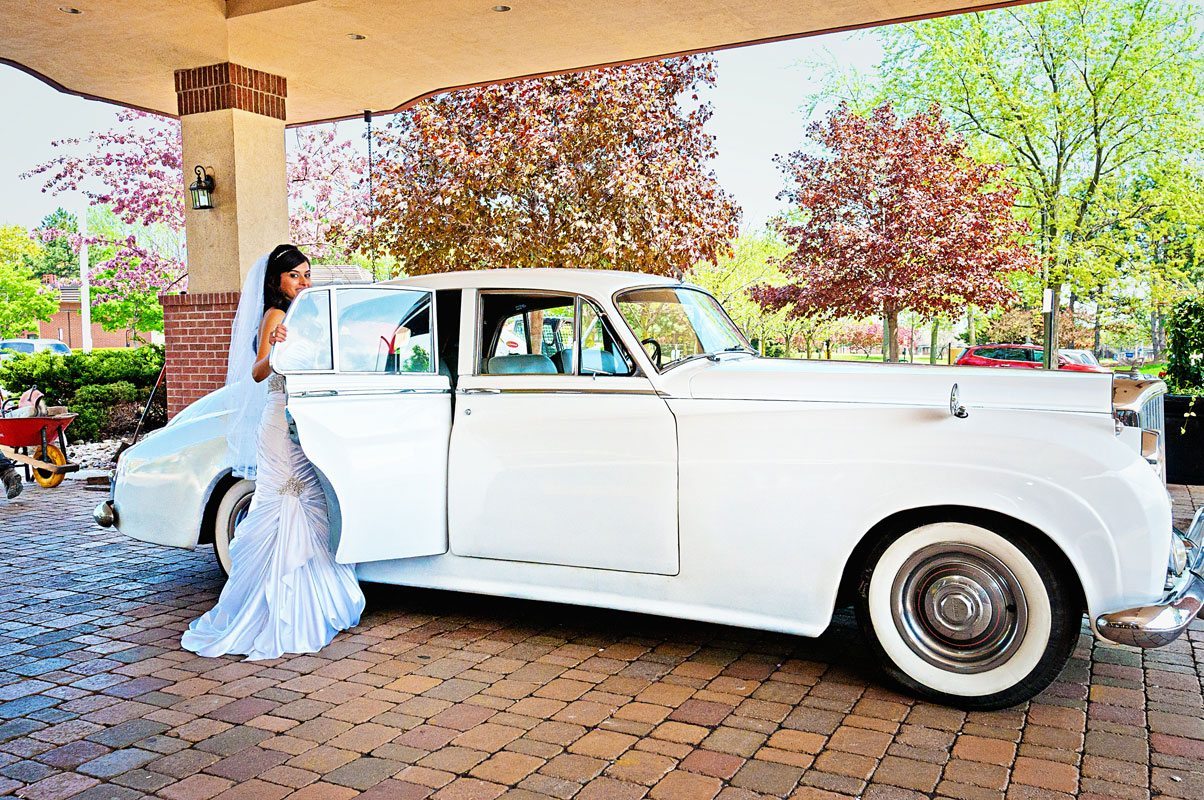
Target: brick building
{"type": "Point", "coordinates": [67, 325]}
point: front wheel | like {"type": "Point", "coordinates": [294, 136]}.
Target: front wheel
{"type": "Point", "coordinates": [51, 454]}
{"type": "Point", "coordinates": [964, 616]}
{"type": "Point", "coordinates": [235, 504]}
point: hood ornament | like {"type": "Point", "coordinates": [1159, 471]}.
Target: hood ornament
{"type": "Point", "coordinates": [955, 405]}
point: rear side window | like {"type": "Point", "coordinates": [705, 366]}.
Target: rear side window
{"type": "Point", "coordinates": [384, 330]}
{"type": "Point", "coordinates": [18, 347]}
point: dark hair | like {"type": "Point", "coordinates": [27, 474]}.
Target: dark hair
{"type": "Point", "coordinates": [284, 258]}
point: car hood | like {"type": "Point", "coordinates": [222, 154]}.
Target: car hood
{"type": "Point", "coordinates": [746, 378]}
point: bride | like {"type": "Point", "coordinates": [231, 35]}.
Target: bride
{"type": "Point", "coordinates": [285, 592]}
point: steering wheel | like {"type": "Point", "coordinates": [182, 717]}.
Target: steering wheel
{"type": "Point", "coordinates": [657, 353]}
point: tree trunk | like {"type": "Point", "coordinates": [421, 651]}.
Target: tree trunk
{"type": "Point", "coordinates": [1158, 331]}
{"type": "Point", "coordinates": [1097, 343]}
{"type": "Point", "coordinates": [890, 327]}
{"type": "Point", "coordinates": [935, 341]}
{"type": "Point", "coordinates": [970, 337]}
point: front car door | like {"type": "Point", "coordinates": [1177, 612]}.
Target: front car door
{"type": "Point", "coordinates": [373, 414]}
{"type": "Point", "coordinates": [560, 453]}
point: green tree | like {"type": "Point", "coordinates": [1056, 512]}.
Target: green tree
{"type": "Point", "coordinates": [17, 248]}
{"type": "Point", "coordinates": [1076, 96]}
{"type": "Point", "coordinates": [23, 300]}
{"type": "Point", "coordinates": [58, 256]}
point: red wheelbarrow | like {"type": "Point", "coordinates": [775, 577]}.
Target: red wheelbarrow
{"type": "Point", "coordinates": [39, 444]}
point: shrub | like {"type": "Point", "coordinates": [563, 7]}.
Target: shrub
{"type": "Point", "coordinates": [97, 404]}
{"type": "Point", "coordinates": [107, 388]}
{"type": "Point", "coordinates": [1185, 341]}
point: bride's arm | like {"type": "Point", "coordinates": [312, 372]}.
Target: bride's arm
{"type": "Point", "coordinates": [261, 368]}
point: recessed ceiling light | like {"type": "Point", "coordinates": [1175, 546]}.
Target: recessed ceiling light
{"type": "Point", "coordinates": [500, 9]}
{"type": "Point", "coordinates": [69, 10]}
{"type": "Point", "coordinates": [357, 37]}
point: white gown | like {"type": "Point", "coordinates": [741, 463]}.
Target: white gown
{"type": "Point", "coordinates": [285, 593]}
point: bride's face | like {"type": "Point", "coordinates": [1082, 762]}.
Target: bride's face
{"type": "Point", "coordinates": [294, 281]}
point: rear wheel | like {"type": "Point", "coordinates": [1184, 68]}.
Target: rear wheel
{"type": "Point", "coordinates": [235, 504]}
{"type": "Point", "coordinates": [963, 615]}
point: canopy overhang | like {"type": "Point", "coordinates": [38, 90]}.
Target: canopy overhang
{"type": "Point", "coordinates": [127, 52]}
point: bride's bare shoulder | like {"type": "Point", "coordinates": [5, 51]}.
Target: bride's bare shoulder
{"type": "Point", "coordinates": [272, 316]}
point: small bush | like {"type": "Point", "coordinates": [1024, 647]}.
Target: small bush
{"type": "Point", "coordinates": [1185, 341]}
{"type": "Point", "coordinates": [95, 406]}
{"type": "Point", "coordinates": [107, 388]}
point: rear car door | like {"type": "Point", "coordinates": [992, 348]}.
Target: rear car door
{"type": "Point", "coordinates": [373, 414]}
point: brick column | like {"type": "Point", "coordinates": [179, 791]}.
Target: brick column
{"type": "Point", "coordinates": [197, 330]}
{"type": "Point", "coordinates": [232, 121]}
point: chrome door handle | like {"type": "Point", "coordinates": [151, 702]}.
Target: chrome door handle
{"type": "Point", "coordinates": [476, 390]}
{"type": "Point", "coordinates": [316, 393]}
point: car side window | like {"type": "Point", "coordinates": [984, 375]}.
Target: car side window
{"type": "Point", "coordinates": [601, 353]}
{"type": "Point", "coordinates": [526, 334]}
{"type": "Point", "coordinates": [309, 345]}
{"type": "Point", "coordinates": [384, 330]}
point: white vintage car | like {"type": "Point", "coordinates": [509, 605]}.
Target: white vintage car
{"type": "Point", "coordinates": [610, 439]}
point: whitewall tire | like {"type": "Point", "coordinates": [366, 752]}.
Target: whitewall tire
{"type": "Point", "coordinates": [230, 511]}
{"type": "Point", "coordinates": [968, 616]}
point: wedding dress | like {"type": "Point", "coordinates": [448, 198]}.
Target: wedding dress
{"type": "Point", "coordinates": [285, 593]}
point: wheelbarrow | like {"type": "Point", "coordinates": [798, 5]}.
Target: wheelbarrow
{"type": "Point", "coordinates": [39, 444]}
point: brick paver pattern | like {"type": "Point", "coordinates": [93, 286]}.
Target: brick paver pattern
{"type": "Point", "coordinates": [459, 697]}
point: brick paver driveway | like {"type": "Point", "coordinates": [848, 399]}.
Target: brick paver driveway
{"type": "Point", "coordinates": [453, 696]}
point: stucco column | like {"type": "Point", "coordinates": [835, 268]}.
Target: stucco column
{"type": "Point", "coordinates": [232, 121]}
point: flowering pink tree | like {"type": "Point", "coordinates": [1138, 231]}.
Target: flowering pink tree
{"type": "Point", "coordinates": [134, 170]}
{"type": "Point", "coordinates": [327, 191]}
{"type": "Point", "coordinates": [867, 337]}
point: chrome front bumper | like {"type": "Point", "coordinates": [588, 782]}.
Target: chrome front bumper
{"type": "Point", "coordinates": [1163, 622]}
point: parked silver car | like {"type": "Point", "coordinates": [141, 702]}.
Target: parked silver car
{"type": "Point", "coordinates": [8, 347]}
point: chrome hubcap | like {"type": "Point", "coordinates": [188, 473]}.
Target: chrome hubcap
{"type": "Point", "coordinates": [959, 608]}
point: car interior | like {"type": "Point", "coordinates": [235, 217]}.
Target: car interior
{"type": "Point", "coordinates": [533, 334]}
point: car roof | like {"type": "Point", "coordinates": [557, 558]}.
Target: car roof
{"type": "Point", "coordinates": [1025, 346]}
{"type": "Point", "coordinates": [597, 282]}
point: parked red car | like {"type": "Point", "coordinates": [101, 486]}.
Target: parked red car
{"type": "Point", "coordinates": [1026, 356]}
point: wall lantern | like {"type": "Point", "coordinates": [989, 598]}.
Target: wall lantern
{"type": "Point", "coordinates": [202, 189]}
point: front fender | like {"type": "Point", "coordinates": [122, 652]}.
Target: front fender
{"type": "Point", "coordinates": [806, 482]}
{"type": "Point", "coordinates": [164, 482]}
{"type": "Point", "coordinates": [1116, 542]}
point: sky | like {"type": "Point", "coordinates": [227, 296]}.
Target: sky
{"type": "Point", "coordinates": [760, 107]}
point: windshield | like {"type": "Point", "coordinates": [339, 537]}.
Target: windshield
{"type": "Point", "coordinates": [674, 323]}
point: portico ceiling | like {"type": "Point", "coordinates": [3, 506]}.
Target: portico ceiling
{"type": "Point", "coordinates": [127, 51]}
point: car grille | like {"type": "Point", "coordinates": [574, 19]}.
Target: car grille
{"type": "Point", "coordinates": [1152, 416]}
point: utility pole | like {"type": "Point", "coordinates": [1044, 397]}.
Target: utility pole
{"type": "Point", "coordinates": [85, 294]}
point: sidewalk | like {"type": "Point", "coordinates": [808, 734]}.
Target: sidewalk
{"type": "Point", "coordinates": [456, 696]}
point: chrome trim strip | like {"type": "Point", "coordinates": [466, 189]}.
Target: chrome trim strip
{"type": "Point", "coordinates": [480, 391]}
{"type": "Point", "coordinates": [364, 392]}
